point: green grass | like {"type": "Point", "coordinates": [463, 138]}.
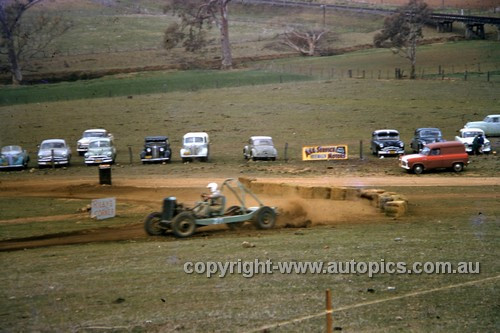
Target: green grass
{"type": "Point", "coordinates": [141, 286]}
{"type": "Point", "coordinates": [141, 83]}
{"type": "Point", "coordinates": [43, 216]}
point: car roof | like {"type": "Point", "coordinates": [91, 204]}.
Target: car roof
{"type": "Point", "coordinates": [95, 130]}
{"type": "Point", "coordinates": [99, 139]}
{"type": "Point", "coordinates": [493, 115]}
{"type": "Point", "coordinates": [472, 129]}
{"type": "Point", "coordinates": [195, 134]}
{"type": "Point", "coordinates": [385, 130]}
{"type": "Point", "coordinates": [444, 144]}
{"type": "Point", "coordinates": [261, 137]}
{"type": "Point", "coordinates": [156, 138]}
{"type": "Point", "coordinates": [54, 140]}
{"type": "Point", "coordinates": [427, 128]}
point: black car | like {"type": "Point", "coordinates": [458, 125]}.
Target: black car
{"type": "Point", "coordinates": [424, 136]}
{"type": "Point", "coordinates": [156, 149]}
{"type": "Point", "coordinates": [387, 142]}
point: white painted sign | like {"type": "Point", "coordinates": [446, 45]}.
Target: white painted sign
{"type": "Point", "coordinates": [103, 208]}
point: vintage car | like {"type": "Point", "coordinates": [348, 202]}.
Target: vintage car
{"type": "Point", "coordinates": [195, 145]}
{"type": "Point", "coordinates": [386, 142]}
{"type": "Point", "coordinates": [100, 151]}
{"type": "Point", "coordinates": [467, 135]}
{"type": "Point", "coordinates": [490, 125]}
{"type": "Point", "coordinates": [54, 152]}
{"type": "Point", "coordinates": [424, 136]}
{"type": "Point", "coordinates": [260, 148]}
{"type": "Point", "coordinates": [156, 149]}
{"type": "Point", "coordinates": [83, 144]}
{"type": "Point", "coordinates": [437, 155]}
{"type": "Point", "coordinates": [13, 157]}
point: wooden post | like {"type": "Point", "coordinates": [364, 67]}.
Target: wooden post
{"type": "Point", "coordinates": [130, 154]}
{"type": "Point", "coordinates": [286, 152]}
{"type": "Point", "coordinates": [52, 159]}
{"type": "Point", "coordinates": [329, 321]}
{"type": "Point", "coordinates": [361, 150]}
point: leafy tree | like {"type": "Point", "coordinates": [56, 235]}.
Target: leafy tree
{"type": "Point", "coordinates": [22, 39]}
{"type": "Point", "coordinates": [196, 16]}
{"type": "Point", "coordinates": [403, 30]}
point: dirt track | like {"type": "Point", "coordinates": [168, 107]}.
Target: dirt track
{"type": "Point", "coordinates": [140, 192]}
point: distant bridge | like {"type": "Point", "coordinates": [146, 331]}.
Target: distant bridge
{"type": "Point", "coordinates": [474, 25]}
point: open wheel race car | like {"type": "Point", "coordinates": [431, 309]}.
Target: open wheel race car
{"type": "Point", "coordinates": [183, 221]}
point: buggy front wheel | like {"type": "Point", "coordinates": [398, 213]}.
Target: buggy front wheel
{"type": "Point", "coordinates": [183, 225]}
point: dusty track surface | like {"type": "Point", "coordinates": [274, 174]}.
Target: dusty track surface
{"type": "Point", "coordinates": [145, 196]}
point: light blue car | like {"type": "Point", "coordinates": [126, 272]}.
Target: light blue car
{"type": "Point", "coordinates": [490, 125]}
{"type": "Point", "coordinates": [13, 157]}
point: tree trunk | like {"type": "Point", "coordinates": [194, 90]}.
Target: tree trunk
{"type": "Point", "coordinates": [227, 58]}
{"type": "Point", "coordinates": [413, 58]}
{"type": "Point", "coordinates": [15, 69]}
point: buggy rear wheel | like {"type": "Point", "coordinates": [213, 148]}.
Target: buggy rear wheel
{"type": "Point", "coordinates": [152, 225]}
{"type": "Point", "coordinates": [265, 218]}
{"type": "Point", "coordinates": [183, 225]}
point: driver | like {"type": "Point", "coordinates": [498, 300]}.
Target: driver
{"type": "Point", "coordinates": [212, 203]}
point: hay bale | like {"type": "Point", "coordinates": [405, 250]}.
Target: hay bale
{"type": "Point", "coordinates": [290, 190]}
{"type": "Point", "coordinates": [321, 192]}
{"type": "Point", "coordinates": [395, 208]}
{"type": "Point", "coordinates": [337, 193]}
{"type": "Point", "coordinates": [257, 187]}
{"type": "Point", "coordinates": [352, 193]}
{"type": "Point", "coordinates": [246, 181]}
{"type": "Point", "coordinates": [384, 198]}
{"type": "Point", "coordinates": [370, 194]}
{"type": "Point", "coordinates": [306, 192]}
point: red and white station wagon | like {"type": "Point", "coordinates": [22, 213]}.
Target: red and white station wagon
{"type": "Point", "coordinates": [437, 155]}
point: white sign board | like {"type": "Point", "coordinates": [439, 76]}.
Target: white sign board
{"type": "Point", "coordinates": [103, 208]}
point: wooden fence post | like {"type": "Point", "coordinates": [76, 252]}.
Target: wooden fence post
{"type": "Point", "coordinates": [329, 321]}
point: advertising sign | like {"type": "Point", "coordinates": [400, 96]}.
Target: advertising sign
{"type": "Point", "coordinates": [324, 153]}
{"type": "Point", "coordinates": [103, 208]}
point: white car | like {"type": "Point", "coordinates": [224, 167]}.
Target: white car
{"type": "Point", "coordinates": [195, 145]}
{"type": "Point", "coordinates": [100, 151]}
{"type": "Point", "coordinates": [467, 135]}
{"type": "Point", "coordinates": [260, 147]}
{"type": "Point", "coordinates": [83, 144]}
{"type": "Point", "coordinates": [490, 125]}
{"type": "Point", "coordinates": [54, 152]}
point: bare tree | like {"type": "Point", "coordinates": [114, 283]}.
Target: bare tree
{"type": "Point", "coordinates": [304, 41]}
{"type": "Point", "coordinates": [196, 16]}
{"type": "Point", "coordinates": [403, 30]}
{"type": "Point", "coordinates": [22, 39]}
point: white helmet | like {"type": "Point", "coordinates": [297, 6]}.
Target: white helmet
{"type": "Point", "coordinates": [212, 187]}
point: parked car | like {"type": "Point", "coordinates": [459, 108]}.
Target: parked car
{"type": "Point", "coordinates": [467, 135]}
{"type": "Point", "coordinates": [424, 136]}
{"type": "Point", "coordinates": [156, 149]}
{"type": "Point", "coordinates": [83, 144]}
{"type": "Point", "coordinates": [195, 145]}
{"type": "Point", "coordinates": [100, 151]}
{"type": "Point", "coordinates": [260, 147]}
{"type": "Point", "coordinates": [13, 157]}
{"type": "Point", "coordinates": [54, 152]}
{"type": "Point", "coordinates": [437, 155]}
{"type": "Point", "coordinates": [490, 125]}
{"type": "Point", "coordinates": [387, 142]}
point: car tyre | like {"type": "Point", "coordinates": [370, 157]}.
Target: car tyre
{"type": "Point", "coordinates": [458, 167]}
{"type": "Point", "coordinates": [418, 169]}
{"type": "Point", "coordinates": [183, 225]}
{"type": "Point", "coordinates": [265, 218]}
{"type": "Point", "coordinates": [152, 225]}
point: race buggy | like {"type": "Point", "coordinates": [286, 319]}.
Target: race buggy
{"type": "Point", "coordinates": [183, 221]}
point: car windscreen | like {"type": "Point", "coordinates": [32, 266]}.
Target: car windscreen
{"type": "Point", "coordinates": [388, 135]}
{"type": "Point", "coordinates": [99, 144]}
{"type": "Point", "coordinates": [470, 134]}
{"type": "Point", "coordinates": [52, 145]}
{"type": "Point", "coordinates": [11, 149]}
{"type": "Point", "coordinates": [94, 135]}
{"type": "Point", "coordinates": [430, 133]}
{"type": "Point", "coordinates": [425, 151]}
{"type": "Point", "coordinates": [263, 142]}
{"type": "Point", "coordinates": [193, 139]}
